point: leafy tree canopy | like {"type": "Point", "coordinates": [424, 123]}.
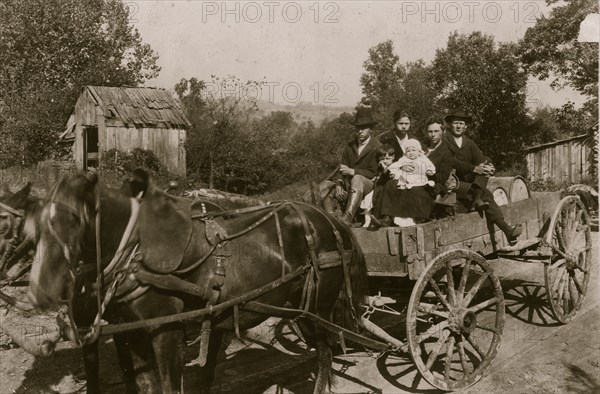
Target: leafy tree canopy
{"type": "Point", "coordinates": [550, 48]}
{"type": "Point", "coordinates": [389, 85]}
{"type": "Point", "coordinates": [49, 50]}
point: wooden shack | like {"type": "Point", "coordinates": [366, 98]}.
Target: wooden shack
{"type": "Point", "coordinates": [125, 118]}
{"type": "Point", "coordinates": [568, 160]}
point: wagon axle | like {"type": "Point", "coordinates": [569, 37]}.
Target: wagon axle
{"type": "Point", "coordinates": [462, 320]}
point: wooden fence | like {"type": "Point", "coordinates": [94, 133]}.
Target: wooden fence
{"type": "Point", "coordinates": [567, 160]}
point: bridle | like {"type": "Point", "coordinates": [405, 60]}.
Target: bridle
{"type": "Point", "coordinates": [116, 269]}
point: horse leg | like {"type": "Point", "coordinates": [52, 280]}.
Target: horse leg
{"type": "Point", "coordinates": [125, 362]}
{"type": "Point", "coordinates": [168, 343]}
{"type": "Point", "coordinates": [324, 361]}
{"type": "Point", "coordinates": [207, 372]}
{"type": "Point", "coordinates": [92, 366]}
{"type": "Point", "coordinates": [144, 367]}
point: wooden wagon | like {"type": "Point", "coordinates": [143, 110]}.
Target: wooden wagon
{"type": "Point", "coordinates": [455, 316]}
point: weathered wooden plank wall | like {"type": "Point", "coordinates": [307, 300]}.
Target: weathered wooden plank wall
{"type": "Point", "coordinates": [567, 161]}
{"type": "Point", "coordinates": [165, 143]}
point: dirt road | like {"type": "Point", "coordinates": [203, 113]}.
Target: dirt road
{"type": "Point", "coordinates": [536, 355]}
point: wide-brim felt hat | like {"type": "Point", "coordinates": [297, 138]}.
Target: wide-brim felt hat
{"type": "Point", "coordinates": [457, 114]}
{"type": "Point", "coordinates": [364, 117]}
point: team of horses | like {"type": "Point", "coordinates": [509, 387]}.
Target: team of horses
{"type": "Point", "coordinates": [92, 245]}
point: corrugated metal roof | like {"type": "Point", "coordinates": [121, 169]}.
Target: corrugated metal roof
{"type": "Point", "coordinates": [141, 107]}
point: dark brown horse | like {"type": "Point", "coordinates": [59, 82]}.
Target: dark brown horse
{"type": "Point", "coordinates": [262, 246]}
{"type": "Point", "coordinates": [20, 214]}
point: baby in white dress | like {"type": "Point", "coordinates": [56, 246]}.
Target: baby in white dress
{"type": "Point", "coordinates": [417, 174]}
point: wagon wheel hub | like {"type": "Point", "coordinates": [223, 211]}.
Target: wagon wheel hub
{"type": "Point", "coordinates": [462, 320]}
{"type": "Point", "coordinates": [571, 260]}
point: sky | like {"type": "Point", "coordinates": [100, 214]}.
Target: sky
{"type": "Point", "coordinates": [314, 51]}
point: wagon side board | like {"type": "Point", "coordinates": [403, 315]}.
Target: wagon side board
{"type": "Point", "coordinates": [393, 251]}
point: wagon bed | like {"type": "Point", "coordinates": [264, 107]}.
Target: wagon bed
{"type": "Point", "coordinates": [395, 251]}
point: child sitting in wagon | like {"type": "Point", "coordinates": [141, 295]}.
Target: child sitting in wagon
{"type": "Point", "coordinates": [406, 199]}
{"type": "Point", "coordinates": [422, 167]}
{"type": "Point", "coordinates": [385, 157]}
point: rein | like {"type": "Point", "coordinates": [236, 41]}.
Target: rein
{"type": "Point", "coordinates": [119, 267]}
{"type": "Point", "coordinates": [116, 268]}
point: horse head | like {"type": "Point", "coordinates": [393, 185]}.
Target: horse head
{"type": "Point", "coordinates": [65, 221]}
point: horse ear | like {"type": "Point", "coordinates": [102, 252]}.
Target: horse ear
{"type": "Point", "coordinates": [140, 182]}
{"type": "Point", "coordinates": [19, 199]}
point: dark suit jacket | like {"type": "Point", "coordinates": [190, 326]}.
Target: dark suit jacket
{"type": "Point", "coordinates": [466, 158]}
{"type": "Point", "coordinates": [443, 160]}
{"type": "Point", "coordinates": [365, 164]}
{"type": "Point", "coordinates": [389, 137]}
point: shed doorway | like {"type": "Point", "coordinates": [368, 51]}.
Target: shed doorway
{"type": "Point", "coordinates": [90, 143]}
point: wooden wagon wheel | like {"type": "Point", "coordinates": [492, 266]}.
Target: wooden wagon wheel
{"type": "Point", "coordinates": [455, 319]}
{"type": "Point", "coordinates": [567, 273]}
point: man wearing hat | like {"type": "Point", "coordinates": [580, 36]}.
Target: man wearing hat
{"type": "Point", "coordinates": [473, 170]}
{"type": "Point", "coordinates": [358, 167]}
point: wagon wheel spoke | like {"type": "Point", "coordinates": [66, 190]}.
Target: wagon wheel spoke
{"type": "Point", "coordinates": [463, 280]}
{"type": "Point", "coordinates": [449, 354]}
{"type": "Point", "coordinates": [436, 351]}
{"type": "Point", "coordinates": [561, 271]}
{"type": "Point", "coordinates": [475, 347]}
{"type": "Point", "coordinates": [450, 284]}
{"type": "Point", "coordinates": [486, 328]}
{"type": "Point", "coordinates": [438, 293]}
{"type": "Point", "coordinates": [561, 284]}
{"type": "Point", "coordinates": [574, 227]}
{"type": "Point", "coordinates": [566, 297]}
{"type": "Point", "coordinates": [432, 331]}
{"type": "Point", "coordinates": [463, 357]}
{"type": "Point", "coordinates": [574, 289]}
{"type": "Point", "coordinates": [432, 310]}
{"type": "Point", "coordinates": [558, 263]}
{"type": "Point", "coordinates": [483, 305]}
{"type": "Point", "coordinates": [473, 291]}
{"type": "Point", "coordinates": [577, 284]}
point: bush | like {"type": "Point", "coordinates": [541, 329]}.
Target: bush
{"type": "Point", "coordinates": [114, 160]}
{"type": "Point", "coordinates": [547, 185]}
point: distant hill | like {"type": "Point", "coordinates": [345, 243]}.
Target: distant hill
{"type": "Point", "coordinates": [303, 111]}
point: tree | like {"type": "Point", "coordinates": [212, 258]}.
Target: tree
{"type": "Point", "coordinates": [550, 48]}
{"type": "Point", "coordinates": [485, 79]}
{"type": "Point", "coordinates": [227, 145]}
{"type": "Point", "coordinates": [389, 85]}
{"type": "Point", "coordinates": [382, 80]}
{"type": "Point", "coordinates": [317, 151]}
{"type": "Point", "coordinates": [49, 50]}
